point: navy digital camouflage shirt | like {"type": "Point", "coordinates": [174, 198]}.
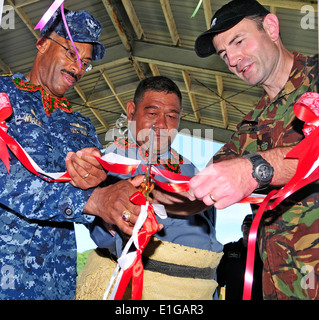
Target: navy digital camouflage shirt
{"type": "Point", "coordinates": [37, 239]}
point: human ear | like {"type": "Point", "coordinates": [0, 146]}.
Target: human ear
{"type": "Point", "coordinates": [271, 26]}
{"type": "Point", "coordinates": [130, 110]}
{"type": "Point", "coordinates": [42, 44]}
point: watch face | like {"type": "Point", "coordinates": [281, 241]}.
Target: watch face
{"type": "Point", "coordinates": [264, 172]}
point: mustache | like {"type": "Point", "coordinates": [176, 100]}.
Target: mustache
{"type": "Point", "coordinates": [76, 77]}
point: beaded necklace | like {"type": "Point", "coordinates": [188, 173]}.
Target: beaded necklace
{"type": "Point", "coordinates": [172, 164]}
{"type": "Point", "coordinates": [50, 104]}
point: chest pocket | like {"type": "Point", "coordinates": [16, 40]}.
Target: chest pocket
{"type": "Point", "coordinates": [265, 136]}
{"type": "Point", "coordinates": [255, 136]}
{"type": "Point", "coordinates": [32, 135]}
{"type": "Point", "coordinates": [78, 131]}
{"type": "Point", "coordinates": [71, 135]}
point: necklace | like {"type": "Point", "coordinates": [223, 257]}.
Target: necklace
{"type": "Point", "coordinates": [50, 104]}
{"type": "Point", "coordinates": [172, 164]}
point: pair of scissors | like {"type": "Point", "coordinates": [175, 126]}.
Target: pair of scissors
{"type": "Point", "coordinates": [148, 185]}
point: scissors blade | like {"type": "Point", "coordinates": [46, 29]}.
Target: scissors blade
{"type": "Point", "coordinates": [150, 155]}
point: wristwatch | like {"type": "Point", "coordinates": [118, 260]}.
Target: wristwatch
{"type": "Point", "coordinates": [262, 170]}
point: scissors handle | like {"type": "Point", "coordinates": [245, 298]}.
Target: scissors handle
{"type": "Point", "coordinates": [147, 185]}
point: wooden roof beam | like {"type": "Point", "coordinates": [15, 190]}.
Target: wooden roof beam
{"type": "Point", "coordinates": [273, 9]}
{"type": "Point", "coordinates": [170, 22]}
{"type": "Point", "coordinates": [180, 66]}
{"type": "Point", "coordinates": [192, 97]}
{"type": "Point", "coordinates": [208, 12]}
{"type": "Point", "coordinates": [288, 4]}
{"type": "Point", "coordinates": [117, 25]}
{"type": "Point", "coordinates": [220, 89]}
{"type": "Point", "coordinates": [21, 3]}
{"type": "Point", "coordinates": [96, 113]}
{"type": "Point", "coordinates": [135, 22]}
{"type": "Point", "coordinates": [25, 19]}
{"type": "Point", "coordinates": [121, 33]}
{"type": "Point", "coordinates": [111, 86]}
{"type": "Point", "coordinates": [154, 69]}
{"type": "Point", "coordinates": [136, 64]}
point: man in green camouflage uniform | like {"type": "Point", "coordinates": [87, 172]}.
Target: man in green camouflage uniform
{"type": "Point", "coordinates": [289, 234]}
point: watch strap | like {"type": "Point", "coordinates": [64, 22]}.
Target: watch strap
{"type": "Point", "coordinates": [256, 159]}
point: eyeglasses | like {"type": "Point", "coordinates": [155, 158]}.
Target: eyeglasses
{"type": "Point", "coordinates": [85, 65]}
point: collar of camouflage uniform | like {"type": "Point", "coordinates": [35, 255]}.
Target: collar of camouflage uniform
{"type": "Point", "coordinates": [50, 103]}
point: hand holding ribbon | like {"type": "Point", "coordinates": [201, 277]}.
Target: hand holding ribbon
{"type": "Point", "coordinates": [84, 168]}
{"type": "Point", "coordinates": [130, 263]}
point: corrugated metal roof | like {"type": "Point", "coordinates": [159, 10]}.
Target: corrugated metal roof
{"type": "Point", "coordinates": [158, 40]}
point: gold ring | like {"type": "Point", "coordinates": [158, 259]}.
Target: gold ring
{"type": "Point", "coordinates": [126, 215]}
{"type": "Point", "coordinates": [86, 176]}
{"type": "Point", "coordinates": [210, 195]}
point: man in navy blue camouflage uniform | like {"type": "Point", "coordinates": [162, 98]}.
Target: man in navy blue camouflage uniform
{"type": "Point", "coordinates": [37, 239]}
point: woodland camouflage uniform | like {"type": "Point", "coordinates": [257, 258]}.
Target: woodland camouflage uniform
{"type": "Point", "coordinates": [289, 235]}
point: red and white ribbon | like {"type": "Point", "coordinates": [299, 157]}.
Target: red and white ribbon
{"type": "Point", "coordinates": [110, 162]}
{"type": "Point", "coordinates": [17, 149]}
{"type": "Point", "coordinates": [5, 112]}
{"type": "Point", "coordinates": [307, 153]}
{"type": "Point", "coordinates": [130, 263]}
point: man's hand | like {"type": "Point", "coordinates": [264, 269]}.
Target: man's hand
{"type": "Point", "coordinates": [177, 203]}
{"type": "Point", "coordinates": [227, 182]}
{"type": "Point", "coordinates": [110, 202]}
{"type": "Point", "coordinates": [85, 171]}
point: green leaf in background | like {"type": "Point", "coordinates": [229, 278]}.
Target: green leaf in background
{"type": "Point", "coordinates": [81, 260]}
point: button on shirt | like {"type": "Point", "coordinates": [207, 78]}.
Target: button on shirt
{"type": "Point", "coordinates": [37, 239]}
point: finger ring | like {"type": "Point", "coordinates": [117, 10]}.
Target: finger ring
{"type": "Point", "coordinates": [86, 176]}
{"type": "Point", "coordinates": [126, 215]}
{"type": "Point", "coordinates": [210, 195]}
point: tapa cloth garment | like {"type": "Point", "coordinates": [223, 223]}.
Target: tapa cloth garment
{"type": "Point", "coordinates": [171, 272]}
